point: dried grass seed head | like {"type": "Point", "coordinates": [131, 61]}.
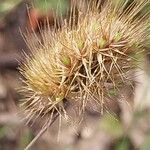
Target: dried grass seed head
{"type": "Point", "coordinates": [85, 56]}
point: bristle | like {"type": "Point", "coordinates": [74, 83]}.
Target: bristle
{"type": "Point", "coordinates": [94, 48]}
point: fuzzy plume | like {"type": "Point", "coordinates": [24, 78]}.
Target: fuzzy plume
{"type": "Point", "coordinates": [90, 55]}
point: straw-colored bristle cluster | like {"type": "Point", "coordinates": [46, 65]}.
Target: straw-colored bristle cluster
{"type": "Point", "coordinates": [89, 56]}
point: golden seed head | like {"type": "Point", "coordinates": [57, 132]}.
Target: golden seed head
{"type": "Point", "coordinates": [88, 57]}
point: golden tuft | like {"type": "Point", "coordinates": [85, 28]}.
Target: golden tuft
{"type": "Point", "coordinates": [88, 56]}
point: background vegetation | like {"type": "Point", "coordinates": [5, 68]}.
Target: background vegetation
{"type": "Point", "coordinates": [122, 129]}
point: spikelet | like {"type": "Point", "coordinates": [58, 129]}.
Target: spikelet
{"type": "Point", "coordinates": [87, 57]}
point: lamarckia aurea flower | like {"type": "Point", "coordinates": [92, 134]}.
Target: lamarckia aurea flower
{"type": "Point", "coordinates": [90, 55]}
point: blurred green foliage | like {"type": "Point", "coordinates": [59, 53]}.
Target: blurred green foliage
{"type": "Point", "coordinates": [44, 6]}
{"type": "Point", "coordinates": [123, 144]}
{"type": "Point", "coordinates": [7, 5]}
{"type": "Point", "coordinates": [25, 139]}
{"type": "Point", "coordinates": [111, 125]}
{"type": "Point", "coordinates": [59, 6]}
{"type": "Point", "coordinates": [3, 130]}
{"type": "Point", "coordinates": [146, 144]}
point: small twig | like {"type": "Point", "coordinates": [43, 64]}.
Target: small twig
{"type": "Point", "coordinates": [43, 130]}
